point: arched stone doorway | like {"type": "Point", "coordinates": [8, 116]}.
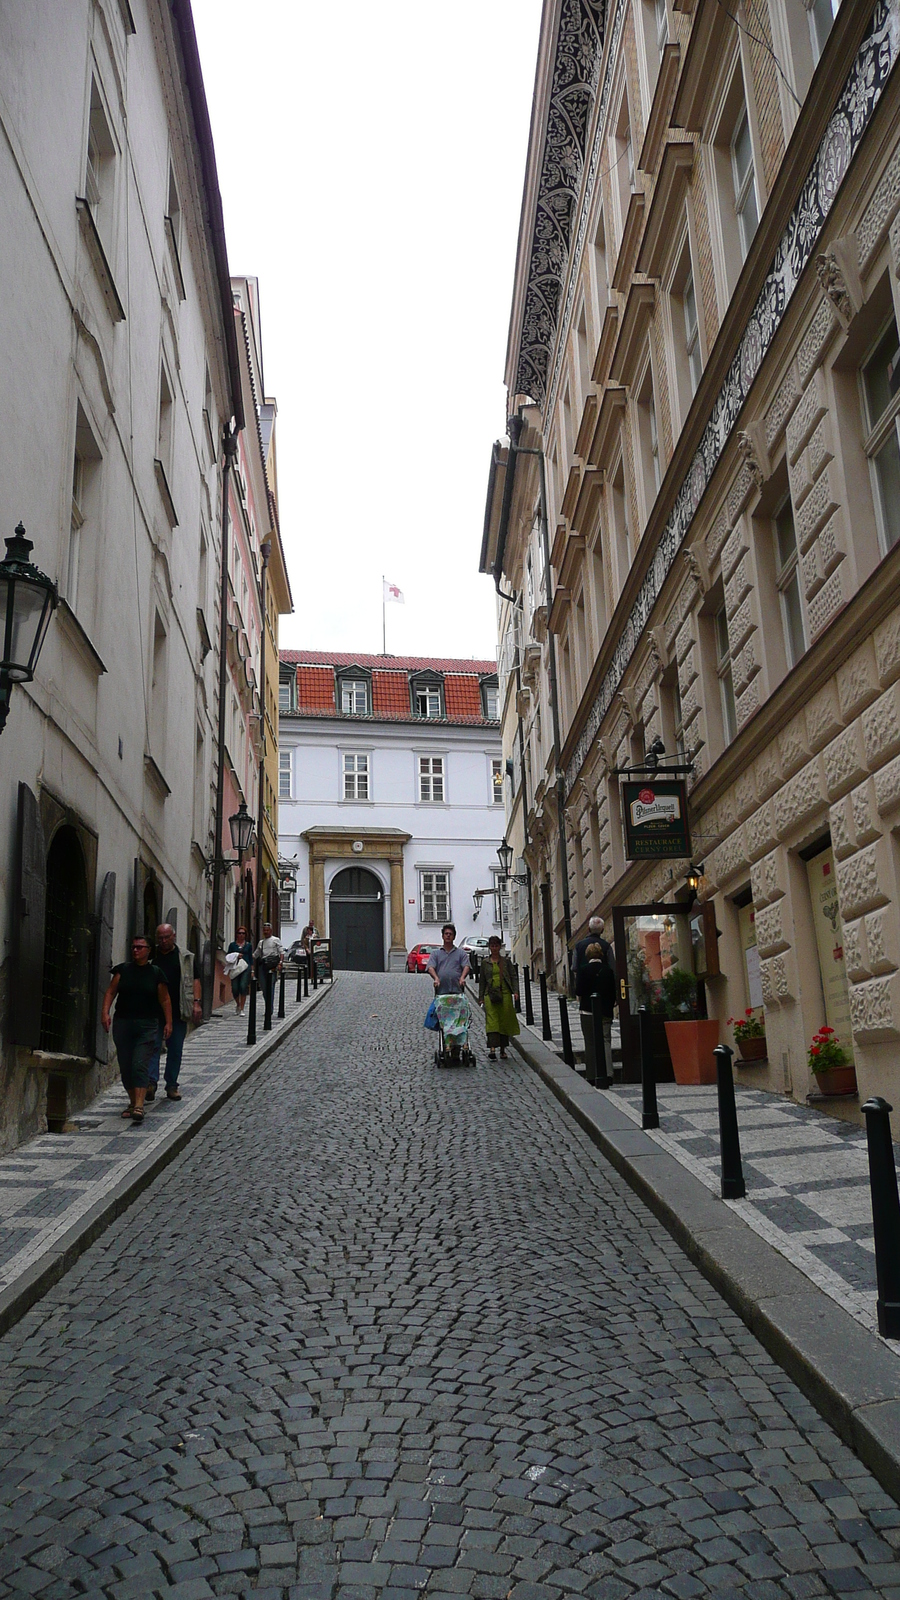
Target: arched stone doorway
{"type": "Point", "coordinates": [65, 993]}
{"type": "Point", "coordinates": [356, 921]}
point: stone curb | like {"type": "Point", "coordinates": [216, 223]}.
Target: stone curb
{"type": "Point", "coordinates": [59, 1257]}
{"type": "Point", "coordinates": [850, 1375]}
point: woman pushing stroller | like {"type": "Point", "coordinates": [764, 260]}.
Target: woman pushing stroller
{"type": "Point", "coordinates": [448, 969]}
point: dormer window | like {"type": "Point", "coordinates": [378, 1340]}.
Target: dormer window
{"type": "Point", "coordinates": [354, 694]}
{"type": "Point", "coordinates": [490, 699]}
{"type": "Point", "coordinates": [427, 695]}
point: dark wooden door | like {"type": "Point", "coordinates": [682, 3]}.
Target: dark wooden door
{"type": "Point", "coordinates": [356, 921]}
{"type": "Point", "coordinates": [648, 939]}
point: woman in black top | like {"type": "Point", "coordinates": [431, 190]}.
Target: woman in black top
{"type": "Point", "coordinates": [141, 993]}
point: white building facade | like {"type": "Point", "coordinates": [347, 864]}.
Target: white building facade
{"type": "Point", "coordinates": [390, 801]}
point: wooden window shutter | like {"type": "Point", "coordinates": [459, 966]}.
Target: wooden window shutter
{"type": "Point", "coordinates": [103, 962]}
{"type": "Point", "coordinates": [29, 909]}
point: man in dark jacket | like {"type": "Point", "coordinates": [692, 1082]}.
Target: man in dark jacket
{"type": "Point", "coordinates": [597, 978]}
{"type": "Point", "coordinates": [579, 952]}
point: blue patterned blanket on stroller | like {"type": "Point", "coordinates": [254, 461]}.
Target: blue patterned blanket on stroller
{"type": "Point", "coordinates": [454, 1017]}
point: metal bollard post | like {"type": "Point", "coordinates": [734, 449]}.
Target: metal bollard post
{"type": "Point", "coordinates": [299, 995]}
{"type": "Point", "coordinates": [529, 1004]}
{"type": "Point", "coordinates": [733, 1185]}
{"type": "Point", "coordinates": [251, 1010]}
{"type": "Point", "coordinates": [546, 1030]}
{"type": "Point", "coordinates": [885, 1214]}
{"type": "Point", "coordinates": [517, 1002]}
{"type": "Point", "coordinates": [281, 996]}
{"type": "Point", "coordinates": [601, 1065]}
{"type": "Point", "coordinates": [268, 990]}
{"type": "Point", "coordinates": [568, 1054]}
{"type": "Point", "coordinates": [306, 981]}
{"type": "Point", "coordinates": [649, 1106]}
{"type": "Point", "coordinates": [315, 976]}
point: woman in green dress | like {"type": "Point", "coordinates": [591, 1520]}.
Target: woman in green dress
{"type": "Point", "coordinates": [497, 991]}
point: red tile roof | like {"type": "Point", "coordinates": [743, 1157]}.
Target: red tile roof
{"type": "Point", "coordinates": [390, 694]}
{"type": "Point", "coordinates": [315, 689]}
{"type": "Point", "coordinates": [339, 658]}
{"type": "Point", "coordinates": [462, 696]}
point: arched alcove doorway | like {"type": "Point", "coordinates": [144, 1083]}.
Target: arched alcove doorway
{"type": "Point", "coordinates": [356, 921]}
{"type": "Point", "coordinates": [65, 993]}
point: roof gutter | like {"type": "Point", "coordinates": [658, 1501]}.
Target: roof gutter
{"type": "Point", "coordinates": [514, 428]}
{"type": "Point", "coordinates": [190, 55]}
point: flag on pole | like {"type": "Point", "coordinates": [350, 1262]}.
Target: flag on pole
{"type": "Point", "coordinates": [391, 592]}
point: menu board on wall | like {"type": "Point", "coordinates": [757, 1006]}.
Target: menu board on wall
{"type": "Point", "coordinates": [830, 946]}
{"type": "Point", "coordinates": [747, 925]}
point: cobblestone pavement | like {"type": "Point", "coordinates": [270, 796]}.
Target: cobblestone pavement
{"type": "Point", "coordinates": [385, 1329]}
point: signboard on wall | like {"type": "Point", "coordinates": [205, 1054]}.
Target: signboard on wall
{"type": "Point", "coordinates": [655, 813]}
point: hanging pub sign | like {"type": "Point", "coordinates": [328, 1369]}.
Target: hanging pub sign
{"type": "Point", "coordinates": [655, 812]}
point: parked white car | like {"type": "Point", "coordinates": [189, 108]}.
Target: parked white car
{"type": "Point", "coordinates": [475, 947]}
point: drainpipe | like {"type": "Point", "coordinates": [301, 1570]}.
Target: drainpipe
{"type": "Point", "coordinates": [552, 684]}
{"type": "Point", "coordinates": [265, 551]}
{"type": "Point", "coordinates": [209, 977]}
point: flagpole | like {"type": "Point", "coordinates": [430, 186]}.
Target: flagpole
{"type": "Point", "coordinates": [383, 619]}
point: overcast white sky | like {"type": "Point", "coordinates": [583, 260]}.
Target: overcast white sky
{"type": "Point", "coordinates": [371, 161]}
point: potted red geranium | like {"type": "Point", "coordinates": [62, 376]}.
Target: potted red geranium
{"type": "Point", "coordinates": [749, 1035]}
{"type": "Point", "coordinates": [835, 1074]}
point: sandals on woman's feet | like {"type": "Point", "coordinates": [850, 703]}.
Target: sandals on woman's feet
{"type": "Point", "coordinates": [137, 1114]}
{"type": "Point", "coordinates": [127, 1112]}
{"type": "Point", "coordinates": [491, 1056]}
{"type": "Point", "coordinates": [503, 1056]}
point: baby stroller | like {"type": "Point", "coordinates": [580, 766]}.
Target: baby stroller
{"type": "Point", "coordinates": [453, 1018]}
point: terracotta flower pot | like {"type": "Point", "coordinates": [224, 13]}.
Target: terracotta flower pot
{"type": "Point", "coordinates": [839, 1080]}
{"type": "Point", "coordinates": [691, 1046]}
{"type": "Point", "coordinates": [752, 1049]}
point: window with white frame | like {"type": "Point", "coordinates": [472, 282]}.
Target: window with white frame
{"type": "Point", "coordinates": [622, 161]}
{"type": "Point", "coordinates": [821, 18]}
{"type": "Point", "coordinates": [490, 700]}
{"type": "Point", "coordinates": [284, 774]}
{"type": "Point", "coordinates": [880, 377]}
{"type": "Point", "coordinates": [285, 694]}
{"type": "Point", "coordinates": [355, 696]}
{"type": "Point", "coordinates": [685, 324]}
{"type": "Point", "coordinates": [497, 780]}
{"type": "Point", "coordinates": [286, 903]}
{"type": "Point", "coordinates": [434, 896]}
{"type": "Point", "coordinates": [431, 777]}
{"type": "Point", "coordinates": [724, 673]}
{"type": "Point", "coordinates": [746, 204]}
{"type": "Point", "coordinates": [99, 168]}
{"type": "Point", "coordinates": [500, 898]}
{"type": "Point", "coordinates": [691, 331]}
{"type": "Point", "coordinates": [356, 776]}
{"type": "Point", "coordinates": [648, 441]}
{"type": "Point", "coordinates": [787, 578]}
{"type": "Point", "coordinates": [427, 700]}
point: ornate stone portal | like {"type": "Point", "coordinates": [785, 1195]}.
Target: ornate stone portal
{"type": "Point", "coordinates": [379, 846]}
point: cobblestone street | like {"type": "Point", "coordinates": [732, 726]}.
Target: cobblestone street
{"type": "Point", "coordinates": [384, 1329]}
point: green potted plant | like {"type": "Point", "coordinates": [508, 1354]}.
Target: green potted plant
{"type": "Point", "coordinates": [835, 1073]}
{"type": "Point", "coordinates": [691, 1038]}
{"type": "Point", "coordinates": [749, 1035]}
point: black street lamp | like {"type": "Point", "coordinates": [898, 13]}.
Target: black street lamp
{"type": "Point", "coordinates": [28, 599]}
{"type": "Point", "coordinates": [505, 855]}
{"type": "Point", "coordinates": [241, 825]}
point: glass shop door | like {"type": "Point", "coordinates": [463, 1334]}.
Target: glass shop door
{"type": "Point", "coordinates": [649, 941]}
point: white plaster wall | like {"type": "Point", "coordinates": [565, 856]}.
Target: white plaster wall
{"type": "Point", "coordinates": [462, 834]}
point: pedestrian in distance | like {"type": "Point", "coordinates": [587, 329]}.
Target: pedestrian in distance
{"type": "Point", "coordinates": [139, 990]}
{"type": "Point", "coordinates": [597, 977]}
{"type": "Point", "coordinates": [269, 959]}
{"type": "Point", "coordinates": [242, 950]}
{"type": "Point", "coordinates": [183, 984]}
{"type": "Point", "coordinates": [579, 951]}
{"type": "Point", "coordinates": [497, 991]}
{"type": "Point", "coordinates": [448, 969]}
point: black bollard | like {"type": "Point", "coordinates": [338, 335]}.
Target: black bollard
{"type": "Point", "coordinates": [601, 1066]}
{"type": "Point", "coordinates": [315, 975]}
{"type": "Point", "coordinates": [306, 981]}
{"type": "Point", "coordinates": [516, 998]}
{"type": "Point", "coordinates": [529, 1004]}
{"type": "Point", "coordinates": [251, 1010]}
{"type": "Point", "coordinates": [885, 1214]}
{"type": "Point", "coordinates": [568, 1055]}
{"type": "Point", "coordinates": [299, 995]}
{"type": "Point", "coordinates": [268, 999]}
{"type": "Point", "coordinates": [281, 996]}
{"type": "Point", "coordinates": [649, 1107]}
{"type": "Point", "coordinates": [733, 1185]}
{"type": "Point", "coordinates": [546, 1030]}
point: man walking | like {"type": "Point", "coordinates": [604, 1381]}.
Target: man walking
{"type": "Point", "coordinates": [183, 984]}
{"type": "Point", "coordinates": [579, 956]}
{"type": "Point", "coordinates": [269, 958]}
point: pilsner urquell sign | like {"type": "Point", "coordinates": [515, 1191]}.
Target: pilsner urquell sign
{"type": "Point", "coordinates": [655, 819]}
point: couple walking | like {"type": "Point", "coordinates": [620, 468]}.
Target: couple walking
{"type": "Point", "coordinates": [154, 1000]}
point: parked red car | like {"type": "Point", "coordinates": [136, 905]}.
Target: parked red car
{"type": "Point", "coordinates": [417, 960]}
